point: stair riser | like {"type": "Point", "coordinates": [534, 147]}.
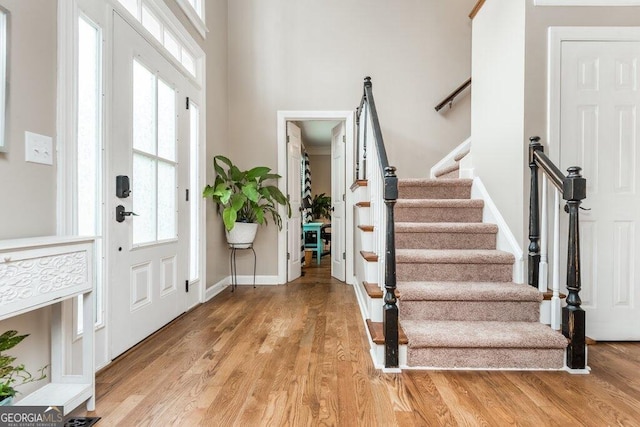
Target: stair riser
{"type": "Point", "coordinates": [366, 240]}
{"type": "Point", "coordinates": [407, 272]}
{"type": "Point", "coordinates": [363, 216]}
{"type": "Point", "coordinates": [497, 358]}
{"type": "Point", "coordinates": [434, 192]}
{"type": "Point", "coordinates": [429, 240]}
{"type": "Point", "coordinates": [438, 214]}
{"type": "Point", "coordinates": [501, 311]}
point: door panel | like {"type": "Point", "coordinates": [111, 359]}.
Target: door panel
{"type": "Point", "coordinates": [338, 188]}
{"type": "Point", "coordinates": [294, 190]}
{"type": "Point", "coordinates": [600, 99]}
{"type": "Point", "coordinates": [149, 252]}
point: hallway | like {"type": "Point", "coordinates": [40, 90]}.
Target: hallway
{"type": "Point", "coordinates": [296, 355]}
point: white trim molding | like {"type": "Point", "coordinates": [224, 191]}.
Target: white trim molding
{"type": "Point", "coordinates": [196, 19]}
{"type": "Point", "coordinates": [586, 2]}
{"type": "Point", "coordinates": [347, 116]}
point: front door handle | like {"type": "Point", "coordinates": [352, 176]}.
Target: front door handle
{"type": "Point", "coordinates": [121, 213]}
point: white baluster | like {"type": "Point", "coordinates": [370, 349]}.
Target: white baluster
{"type": "Point", "coordinates": [555, 299]}
{"type": "Point", "coordinates": [544, 245]}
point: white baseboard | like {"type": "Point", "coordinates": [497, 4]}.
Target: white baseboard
{"type": "Point", "coordinates": [505, 240]}
{"type": "Point", "coordinates": [216, 288]}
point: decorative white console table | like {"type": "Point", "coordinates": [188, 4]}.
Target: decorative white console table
{"type": "Point", "coordinates": [44, 271]}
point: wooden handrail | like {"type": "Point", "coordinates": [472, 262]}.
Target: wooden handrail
{"type": "Point", "coordinates": [573, 188]}
{"type": "Point", "coordinates": [476, 9]}
{"type": "Point", "coordinates": [389, 195]}
{"type": "Point", "coordinates": [452, 96]}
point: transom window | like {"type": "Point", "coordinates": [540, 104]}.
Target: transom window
{"type": "Point", "coordinates": [144, 13]}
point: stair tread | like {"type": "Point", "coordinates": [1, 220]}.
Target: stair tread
{"type": "Point", "coordinates": [376, 331]}
{"type": "Point", "coordinates": [454, 256]}
{"type": "Point", "coordinates": [439, 203]}
{"type": "Point", "coordinates": [428, 182]}
{"type": "Point", "coordinates": [481, 334]}
{"type": "Point", "coordinates": [446, 227]}
{"type": "Point", "coordinates": [468, 291]}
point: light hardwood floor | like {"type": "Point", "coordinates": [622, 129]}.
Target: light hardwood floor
{"type": "Point", "coordinates": [298, 355]}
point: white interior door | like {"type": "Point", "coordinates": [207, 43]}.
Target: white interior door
{"type": "Point", "coordinates": [338, 188]}
{"type": "Point", "coordinates": [148, 254]}
{"type": "Point", "coordinates": [599, 126]}
{"type": "Point", "coordinates": [294, 190]}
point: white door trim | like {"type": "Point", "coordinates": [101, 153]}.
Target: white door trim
{"type": "Point", "coordinates": [557, 35]}
{"type": "Point", "coordinates": [347, 117]}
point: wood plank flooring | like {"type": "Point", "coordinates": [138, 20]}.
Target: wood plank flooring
{"type": "Point", "coordinates": [297, 355]}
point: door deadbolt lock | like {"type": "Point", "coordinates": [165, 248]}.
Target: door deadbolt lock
{"type": "Point", "coordinates": [121, 213]}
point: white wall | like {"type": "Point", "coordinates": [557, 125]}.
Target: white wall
{"type": "Point", "coordinates": [313, 55]}
{"type": "Point", "coordinates": [497, 111]}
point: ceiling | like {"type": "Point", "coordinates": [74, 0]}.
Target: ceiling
{"type": "Point", "coordinates": [316, 134]}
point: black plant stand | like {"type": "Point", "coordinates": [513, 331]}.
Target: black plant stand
{"type": "Point", "coordinates": [234, 268]}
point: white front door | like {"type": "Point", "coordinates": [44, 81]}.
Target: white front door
{"type": "Point", "coordinates": [599, 128]}
{"type": "Point", "coordinates": [294, 190]}
{"type": "Point", "coordinates": [148, 253]}
{"type": "Point", "coordinates": [338, 188]}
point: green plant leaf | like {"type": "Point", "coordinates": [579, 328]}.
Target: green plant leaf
{"type": "Point", "coordinates": [250, 190]}
{"type": "Point", "coordinates": [269, 176]}
{"type": "Point", "coordinates": [237, 201]}
{"type": "Point", "coordinates": [229, 216]}
{"type": "Point", "coordinates": [236, 174]}
{"type": "Point", "coordinates": [257, 172]}
{"type": "Point", "coordinates": [10, 339]}
{"type": "Point", "coordinates": [218, 168]}
{"type": "Point", "coordinates": [259, 214]}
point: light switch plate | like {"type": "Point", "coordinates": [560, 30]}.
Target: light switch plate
{"type": "Point", "coordinates": [38, 148]}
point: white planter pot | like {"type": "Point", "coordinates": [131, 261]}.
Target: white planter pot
{"type": "Point", "coordinates": [242, 235]}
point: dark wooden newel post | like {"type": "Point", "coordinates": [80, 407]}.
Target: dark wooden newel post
{"type": "Point", "coordinates": [534, 215]}
{"type": "Point", "coordinates": [391, 340]}
{"type": "Point", "coordinates": [573, 316]}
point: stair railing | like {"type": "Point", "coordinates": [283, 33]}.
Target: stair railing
{"type": "Point", "coordinates": [573, 189]}
{"type": "Point", "coordinates": [372, 164]}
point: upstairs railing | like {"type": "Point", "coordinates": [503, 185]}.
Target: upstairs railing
{"type": "Point", "coordinates": [572, 188]}
{"type": "Point", "coordinates": [372, 164]}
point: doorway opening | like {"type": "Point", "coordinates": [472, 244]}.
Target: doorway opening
{"type": "Point", "coordinates": [315, 151]}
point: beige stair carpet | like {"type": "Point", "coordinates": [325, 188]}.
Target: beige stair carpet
{"type": "Point", "coordinates": [458, 305]}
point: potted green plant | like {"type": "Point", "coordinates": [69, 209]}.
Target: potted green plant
{"type": "Point", "coordinates": [244, 199]}
{"type": "Point", "coordinates": [13, 375]}
{"type": "Point", "coordinates": [321, 206]}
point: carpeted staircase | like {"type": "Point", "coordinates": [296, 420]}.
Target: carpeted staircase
{"type": "Point", "coordinates": [458, 305]}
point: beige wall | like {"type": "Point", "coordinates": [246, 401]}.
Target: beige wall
{"type": "Point", "coordinates": [498, 104]}
{"type": "Point", "coordinates": [320, 174]}
{"type": "Point", "coordinates": [28, 190]}
{"type": "Point", "coordinates": [313, 55]}
{"type": "Point", "coordinates": [217, 132]}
